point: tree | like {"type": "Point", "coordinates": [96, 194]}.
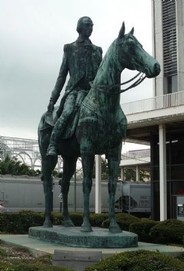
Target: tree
{"type": "Point", "coordinates": [144, 175]}
{"type": "Point", "coordinates": [130, 174]}
{"type": "Point", "coordinates": [14, 167]}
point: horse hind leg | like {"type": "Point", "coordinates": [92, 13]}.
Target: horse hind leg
{"type": "Point", "coordinates": [87, 164]}
{"type": "Point", "coordinates": [48, 203]}
{"type": "Point", "coordinates": [48, 165]}
{"type": "Point", "coordinates": [69, 166]}
{"type": "Point", "coordinates": [113, 165]}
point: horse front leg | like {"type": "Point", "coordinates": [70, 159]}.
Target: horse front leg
{"type": "Point", "coordinates": [69, 166]}
{"type": "Point", "coordinates": [87, 164]}
{"type": "Point", "coordinates": [113, 165]}
{"type": "Point", "coordinates": [67, 222]}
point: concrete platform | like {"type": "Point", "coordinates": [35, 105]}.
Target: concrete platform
{"type": "Point", "coordinates": [73, 237]}
{"type": "Point", "coordinates": [38, 247]}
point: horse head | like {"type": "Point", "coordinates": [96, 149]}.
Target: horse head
{"type": "Point", "coordinates": [132, 56]}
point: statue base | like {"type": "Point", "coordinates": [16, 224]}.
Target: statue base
{"type": "Point", "coordinates": [73, 237]}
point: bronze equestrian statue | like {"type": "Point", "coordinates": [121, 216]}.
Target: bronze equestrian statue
{"type": "Point", "coordinates": [100, 128]}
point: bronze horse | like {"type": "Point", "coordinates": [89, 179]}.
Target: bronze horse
{"type": "Point", "coordinates": [100, 130]}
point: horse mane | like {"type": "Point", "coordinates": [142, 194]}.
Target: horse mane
{"type": "Point", "coordinates": [109, 62]}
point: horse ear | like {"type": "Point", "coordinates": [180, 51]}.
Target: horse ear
{"type": "Point", "coordinates": [122, 31]}
{"type": "Point", "coordinates": [132, 31]}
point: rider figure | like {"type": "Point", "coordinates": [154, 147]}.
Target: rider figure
{"type": "Point", "coordinates": [81, 60]}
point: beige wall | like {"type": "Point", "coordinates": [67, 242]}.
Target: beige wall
{"type": "Point", "coordinates": [180, 45]}
{"type": "Point", "coordinates": [158, 43]}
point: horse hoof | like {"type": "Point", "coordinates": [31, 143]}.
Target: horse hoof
{"type": "Point", "coordinates": [85, 228]}
{"type": "Point", "coordinates": [47, 225]}
{"type": "Point", "coordinates": [68, 223]}
{"type": "Point", "coordinates": [115, 229]}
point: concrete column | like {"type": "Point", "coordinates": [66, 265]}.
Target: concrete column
{"type": "Point", "coordinates": [122, 173]}
{"type": "Point", "coordinates": [137, 173]}
{"type": "Point", "coordinates": [163, 174]}
{"type": "Point", "coordinates": [98, 200]}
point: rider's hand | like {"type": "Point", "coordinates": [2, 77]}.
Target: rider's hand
{"type": "Point", "coordinates": [50, 107]}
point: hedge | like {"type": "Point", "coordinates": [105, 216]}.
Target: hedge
{"type": "Point", "coordinates": [142, 229]}
{"type": "Point", "coordinates": [138, 261]}
{"type": "Point", "coordinates": [20, 222]}
{"type": "Point", "coordinates": [167, 232]}
{"type": "Point", "coordinates": [170, 231]}
{"type": "Point", "coordinates": [124, 220]}
{"type": "Point", "coordinates": [14, 258]}
{"type": "Point", "coordinates": [26, 266]}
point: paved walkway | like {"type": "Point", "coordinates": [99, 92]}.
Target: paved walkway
{"type": "Point", "coordinates": [39, 247]}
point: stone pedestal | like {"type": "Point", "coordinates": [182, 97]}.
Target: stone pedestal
{"type": "Point", "coordinates": [73, 237]}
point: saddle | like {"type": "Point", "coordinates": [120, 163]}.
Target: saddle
{"type": "Point", "coordinates": [51, 118]}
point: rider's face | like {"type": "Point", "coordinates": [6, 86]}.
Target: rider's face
{"type": "Point", "coordinates": [86, 28]}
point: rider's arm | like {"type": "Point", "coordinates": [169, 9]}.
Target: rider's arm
{"type": "Point", "coordinates": [60, 80]}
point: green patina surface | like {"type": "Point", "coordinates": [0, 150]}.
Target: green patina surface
{"type": "Point", "coordinates": [99, 238]}
{"type": "Point", "coordinates": [101, 124]}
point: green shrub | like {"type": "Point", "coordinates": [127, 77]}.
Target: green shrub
{"type": "Point", "coordinates": [77, 218]}
{"type": "Point", "coordinates": [20, 222]}
{"type": "Point", "coordinates": [57, 218]}
{"type": "Point", "coordinates": [34, 267]}
{"type": "Point", "coordinates": [15, 258]}
{"type": "Point", "coordinates": [181, 257]}
{"type": "Point", "coordinates": [96, 220]}
{"type": "Point", "coordinates": [8, 222]}
{"type": "Point", "coordinates": [30, 219]}
{"type": "Point", "coordinates": [27, 266]}
{"type": "Point", "coordinates": [138, 261]}
{"type": "Point", "coordinates": [142, 229]}
{"type": "Point", "coordinates": [4, 266]}
{"type": "Point", "coordinates": [2, 253]}
{"type": "Point", "coordinates": [124, 220]}
{"type": "Point", "coordinates": [170, 231]}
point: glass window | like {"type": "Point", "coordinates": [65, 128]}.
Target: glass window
{"type": "Point", "coordinates": [177, 150]}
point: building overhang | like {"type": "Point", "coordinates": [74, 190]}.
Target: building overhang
{"type": "Point", "coordinates": [156, 117]}
{"type": "Point", "coordinates": [142, 124]}
{"type": "Point", "coordinates": [135, 162]}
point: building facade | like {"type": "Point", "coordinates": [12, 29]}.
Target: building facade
{"type": "Point", "coordinates": [168, 28]}
{"type": "Point", "coordinates": [160, 120]}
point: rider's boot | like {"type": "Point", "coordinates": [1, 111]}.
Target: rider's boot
{"type": "Point", "coordinates": [51, 151]}
{"type": "Point", "coordinates": [56, 132]}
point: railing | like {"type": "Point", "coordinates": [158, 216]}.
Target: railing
{"type": "Point", "coordinates": [155, 103]}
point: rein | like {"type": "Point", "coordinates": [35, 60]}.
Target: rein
{"type": "Point", "coordinates": [136, 83]}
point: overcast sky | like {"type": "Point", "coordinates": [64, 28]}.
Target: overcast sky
{"type": "Point", "coordinates": [32, 35]}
